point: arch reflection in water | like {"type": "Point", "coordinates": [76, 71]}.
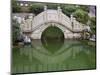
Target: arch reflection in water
{"type": "Point", "coordinates": [52, 38]}
{"type": "Point", "coordinates": [72, 55]}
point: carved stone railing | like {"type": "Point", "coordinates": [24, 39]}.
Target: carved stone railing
{"type": "Point", "coordinates": [53, 16]}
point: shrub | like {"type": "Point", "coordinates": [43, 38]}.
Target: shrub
{"type": "Point", "coordinates": [84, 8]}
{"type": "Point", "coordinates": [15, 31]}
{"type": "Point", "coordinates": [81, 16]}
{"type": "Point", "coordinates": [93, 24]}
{"type": "Point", "coordinates": [52, 6]}
{"type": "Point", "coordinates": [15, 7]}
{"type": "Point", "coordinates": [36, 8]}
{"type": "Point", "coordinates": [68, 9]}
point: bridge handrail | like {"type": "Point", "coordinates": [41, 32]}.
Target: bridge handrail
{"type": "Point", "coordinates": [41, 18]}
{"type": "Point", "coordinates": [41, 15]}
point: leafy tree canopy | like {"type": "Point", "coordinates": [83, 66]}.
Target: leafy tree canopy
{"type": "Point", "coordinates": [68, 9]}
{"type": "Point", "coordinates": [15, 7]}
{"type": "Point", "coordinates": [81, 16]}
{"type": "Point", "coordinates": [15, 30]}
{"type": "Point", "coordinates": [36, 8]}
{"type": "Point", "coordinates": [93, 24]}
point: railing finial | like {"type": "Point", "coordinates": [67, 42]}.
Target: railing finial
{"type": "Point", "coordinates": [45, 8]}
{"type": "Point", "coordinates": [71, 17]}
{"type": "Point", "coordinates": [59, 8]}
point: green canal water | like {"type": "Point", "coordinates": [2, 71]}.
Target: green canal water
{"type": "Point", "coordinates": [54, 55]}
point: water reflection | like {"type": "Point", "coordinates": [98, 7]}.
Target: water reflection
{"type": "Point", "coordinates": [70, 55]}
{"type": "Point", "coordinates": [52, 45]}
{"type": "Point", "coordinates": [40, 52]}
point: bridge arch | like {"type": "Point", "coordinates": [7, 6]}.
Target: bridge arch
{"type": "Point", "coordinates": [51, 36]}
{"type": "Point", "coordinates": [70, 27]}
{"type": "Point", "coordinates": [37, 33]}
{"type": "Point", "coordinates": [54, 27]}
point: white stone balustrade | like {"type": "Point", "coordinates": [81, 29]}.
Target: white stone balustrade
{"type": "Point", "coordinates": [49, 17]}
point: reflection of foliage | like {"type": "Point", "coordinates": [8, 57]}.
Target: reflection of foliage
{"type": "Point", "coordinates": [36, 8]}
{"type": "Point", "coordinates": [81, 16]}
{"type": "Point", "coordinates": [93, 24]}
{"type": "Point", "coordinates": [15, 30]}
{"type": "Point", "coordinates": [15, 7]}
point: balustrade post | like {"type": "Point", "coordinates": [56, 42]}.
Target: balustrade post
{"type": "Point", "coordinates": [45, 15]}
{"type": "Point", "coordinates": [31, 19]}
{"type": "Point", "coordinates": [73, 26]}
{"type": "Point", "coordinates": [59, 13]}
{"type": "Point", "coordinates": [71, 18]}
{"type": "Point", "coordinates": [45, 8]}
{"type": "Point", "coordinates": [74, 23]}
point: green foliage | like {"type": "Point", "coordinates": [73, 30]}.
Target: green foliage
{"type": "Point", "coordinates": [15, 30]}
{"type": "Point", "coordinates": [52, 6]}
{"type": "Point", "coordinates": [36, 8]}
{"type": "Point", "coordinates": [68, 9]}
{"type": "Point", "coordinates": [93, 24]}
{"type": "Point", "coordinates": [81, 16]}
{"type": "Point", "coordinates": [83, 7]}
{"type": "Point", "coordinates": [80, 12]}
{"type": "Point", "coordinates": [15, 7]}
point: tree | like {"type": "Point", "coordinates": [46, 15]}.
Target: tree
{"type": "Point", "coordinates": [36, 8]}
{"type": "Point", "coordinates": [15, 31]}
{"type": "Point", "coordinates": [15, 7]}
{"type": "Point", "coordinates": [81, 16]}
{"type": "Point", "coordinates": [93, 24]}
{"type": "Point", "coordinates": [68, 9]}
{"type": "Point", "coordinates": [84, 8]}
{"type": "Point", "coordinates": [52, 6]}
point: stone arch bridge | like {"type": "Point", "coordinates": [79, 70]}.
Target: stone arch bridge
{"type": "Point", "coordinates": [49, 17]}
